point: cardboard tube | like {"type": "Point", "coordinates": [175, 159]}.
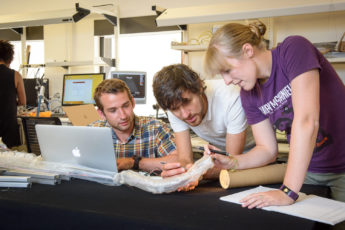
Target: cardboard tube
{"type": "Point", "coordinates": [269, 174]}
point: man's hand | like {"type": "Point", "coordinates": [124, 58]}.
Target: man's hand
{"type": "Point", "coordinates": [190, 186]}
{"type": "Point", "coordinates": [172, 169]}
{"type": "Point", "coordinates": [124, 163]}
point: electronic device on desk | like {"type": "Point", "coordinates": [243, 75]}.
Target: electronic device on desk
{"type": "Point", "coordinates": [33, 88]}
{"type": "Point", "coordinates": [78, 89]}
{"type": "Point", "coordinates": [136, 82]}
{"type": "Point", "coordinates": [58, 115]}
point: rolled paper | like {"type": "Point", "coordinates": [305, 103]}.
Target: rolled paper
{"type": "Point", "coordinates": [270, 174]}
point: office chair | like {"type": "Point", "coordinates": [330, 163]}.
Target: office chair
{"type": "Point", "coordinates": [30, 131]}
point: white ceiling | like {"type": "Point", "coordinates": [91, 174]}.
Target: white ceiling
{"type": "Point", "coordinates": [127, 8]}
{"type": "Point", "coordinates": [135, 8]}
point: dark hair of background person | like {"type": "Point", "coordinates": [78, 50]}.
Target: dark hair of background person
{"type": "Point", "coordinates": [171, 81]}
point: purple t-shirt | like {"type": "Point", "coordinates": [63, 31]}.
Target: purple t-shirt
{"type": "Point", "coordinates": [294, 56]}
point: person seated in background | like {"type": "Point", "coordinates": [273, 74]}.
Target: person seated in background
{"type": "Point", "coordinates": [211, 109]}
{"type": "Point", "coordinates": [12, 93]}
{"type": "Point", "coordinates": [140, 143]}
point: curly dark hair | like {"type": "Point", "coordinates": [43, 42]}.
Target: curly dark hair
{"type": "Point", "coordinates": [171, 81]}
{"type": "Point", "coordinates": [112, 86]}
{"type": "Point", "coordinates": [6, 51]}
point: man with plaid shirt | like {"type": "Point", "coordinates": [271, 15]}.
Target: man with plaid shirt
{"type": "Point", "coordinates": [140, 143]}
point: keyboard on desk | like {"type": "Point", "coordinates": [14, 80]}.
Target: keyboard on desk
{"type": "Point", "coordinates": [59, 115]}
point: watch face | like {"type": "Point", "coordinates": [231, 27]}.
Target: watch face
{"type": "Point", "coordinates": [289, 192]}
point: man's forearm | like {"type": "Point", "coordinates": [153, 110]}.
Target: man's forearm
{"type": "Point", "coordinates": [150, 164]}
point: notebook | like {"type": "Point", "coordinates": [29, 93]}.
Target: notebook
{"type": "Point", "coordinates": [81, 115]}
{"type": "Point", "coordinates": [77, 145]}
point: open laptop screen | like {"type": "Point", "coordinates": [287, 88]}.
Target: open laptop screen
{"type": "Point", "coordinates": [78, 145]}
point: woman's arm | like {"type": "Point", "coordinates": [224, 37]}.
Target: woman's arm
{"type": "Point", "coordinates": [305, 125]}
{"type": "Point", "coordinates": [263, 153]}
{"type": "Point", "coordinates": [265, 150]}
{"type": "Point", "coordinates": [19, 83]}
{"type": "Point", "coordinates": [235, 142]}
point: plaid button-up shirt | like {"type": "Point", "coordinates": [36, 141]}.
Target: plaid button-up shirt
{"type": "Point", "coordinates": [151, 138]}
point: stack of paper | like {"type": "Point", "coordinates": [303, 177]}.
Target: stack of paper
{"type": "Point", "coordinates": [15, 181]}
{"type": "Point", "coordinates": [307, 206]}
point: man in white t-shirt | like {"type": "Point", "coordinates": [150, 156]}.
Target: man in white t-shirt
{"type": "Point", "coordinates": [210, 108]}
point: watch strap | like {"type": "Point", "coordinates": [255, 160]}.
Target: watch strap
{"type": "Point", "coordinates": [136, 162]}
{"type": "Point", "coordinates": [289, 192]}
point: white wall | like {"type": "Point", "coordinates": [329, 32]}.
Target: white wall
{"type": "Point", "coordinates": [316, 27]}
{"type": "Point", "coordinates": [71, 43]}
{"type": "Point", "coordinates": [148, 52]}
{"type": "Point", "coordinates": [197, 32]}
{"type": "Point", "coordinates": [326, 27]}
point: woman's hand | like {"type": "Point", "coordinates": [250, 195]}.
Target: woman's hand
{"type": "Point", "coordinates": [264, 199]}
{"type": "Point", "coordinates": [220, 161]}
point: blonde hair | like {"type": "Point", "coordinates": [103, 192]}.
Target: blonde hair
{"type": "Point", "coordinates": [228, 41]}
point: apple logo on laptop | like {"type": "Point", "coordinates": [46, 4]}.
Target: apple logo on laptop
{"type": "Point", "coordinates": [76, 152]}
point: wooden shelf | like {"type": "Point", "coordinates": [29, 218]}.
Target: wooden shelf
{"type": "Point", "coordinates": [189, 48]}
{"type": "Point", "coordinates": [198, 48]}
{"type": "Point", "coordinates": [336, 60]}
{"type": "Point", "coordinates": [98, 61]}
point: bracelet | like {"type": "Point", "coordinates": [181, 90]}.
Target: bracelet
{"type": "Point", "coordinates": [233, 169]}
{"type": "Point", "coordinates": [289, 192]}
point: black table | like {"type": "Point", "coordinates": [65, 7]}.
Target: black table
{"type": "Point", "coordinates": [79, 204]}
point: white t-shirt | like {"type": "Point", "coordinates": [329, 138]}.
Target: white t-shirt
{"type": "Point", "coordinates": [224, 115]}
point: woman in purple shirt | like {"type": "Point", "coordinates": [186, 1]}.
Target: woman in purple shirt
{"type": "Point", "coordinates": [292, 88]}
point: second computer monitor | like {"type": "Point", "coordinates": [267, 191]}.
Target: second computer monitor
{"type": "Point", "coordinates": [78, 89]}
{"type": "Point", "coordinates": [32, 89]}
{"type": "Point", "coordinates": [136, 82]}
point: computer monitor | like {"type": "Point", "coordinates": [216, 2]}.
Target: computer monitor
{"type": "Point", "coordinates": [78, 89]}
{"type": "Point", "coordinates": [136, 82]}
{"type": "Point", "coordinates": [32, 91]}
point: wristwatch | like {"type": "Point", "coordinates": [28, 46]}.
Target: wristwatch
{"type": "Point", "coordinates": [289, 192]}
{"type": "Point", "coordinates": [136, 162]}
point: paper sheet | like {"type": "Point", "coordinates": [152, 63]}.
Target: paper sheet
{"type": "Point", "coordinates": [307, 206]}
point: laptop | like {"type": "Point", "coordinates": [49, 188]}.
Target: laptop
{"type": "Point", "coordinates": [77, 145]}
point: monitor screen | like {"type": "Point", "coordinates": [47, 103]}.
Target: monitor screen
{"type": "Point", "coordinates": [78, 89]}
{"type": "Point", "coordinates": [136, 82]}
{"type": "Point", "coordinates": [32, 91]}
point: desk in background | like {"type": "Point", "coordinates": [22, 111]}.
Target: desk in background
{"type": "Point", "coordinates": [81, 204]}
